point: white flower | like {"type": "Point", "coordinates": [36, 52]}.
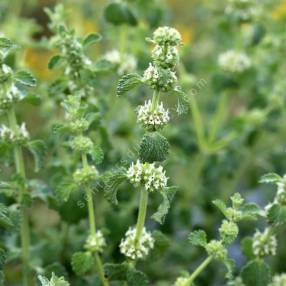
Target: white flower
{"type": "Point", "coordinates": [152, 119]}
{"type": "Point", "coordinates": [264, 243]}
{"type": "Point", "coordinates": [165, 56]}
{"type": "Point", "coordinates": [160, 78]}
{"type": "Point", "coordinates": [10, 136]}
{"type": "Point", "coordinates": [146, 174]}
{"type": "Point", "coordinates": [167, 36]}
{"type": "Point", "coordinates": [96, 242]}
{"type": "Point", "coordinates": [9, 95]}
{"type": "Point", "coordinates": [233, 61]}
{"type": "Point", "coordinates": [126, 63]}
{"type": "Point", "coordinates": [279, 280]}
{"type": "Point", "coordinates": [129, 248]}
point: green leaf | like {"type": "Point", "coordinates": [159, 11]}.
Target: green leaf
{"type": "Point", "coordinates": [128, 82]}
{"type": "Point", "coordinates": [256, 273]}
{"type": "Point", "coordinates": [168, 195]}
{"type": "Point", "coordinates": [116, 272]}
{"type": "Point", "coordinates": [102, 65]}
{"type": "Point", "coordinates": [3, 256]}
{"type": "Point", "coordinates": [82, 262]}
{"type": "Point", "coordinates": [64, 189]}
{"type": "Point", "coordinates": [271, 178]}
{"type": "Point", "coordinates": [154, 147]}
{"type": "Point", "coordinates": [246, 247]}
{"type": "Point", "coordinates": [97, 154]}
{"type": "Point", "coordinates": [118, 13]}
{"type": "Point", "coordinates": [198, 238]}
{"type": "Point", "coordinates": [91, 39]}
{"type": "Point", "coordinates": [136, 278]}
{"type": "Point", "coordinates": [6, 45]}
{"type": "Point", "coordinates": [55, 62]}
{"type": "Point", "coordinates": [221, 206]}
{"type": "Point", "coordinates": [250, 211]}
{"type": "Point", "coordinates": [277, 214]}
{"type": "Point", "coordinates": [162, 243]}
{"type": "Point", "coordinates": [229, 264]}
{"type": "Point", "coordinates": [25, 78]}
{"type": "Point", "coordinates": [112, 181]}
{"type": "Point", "coordinates": [5, 220]}
{"type": "Point", "coordinates": [38, 150]}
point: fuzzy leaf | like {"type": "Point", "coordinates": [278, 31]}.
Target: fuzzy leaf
{"type": "Point", "coordinates": [64, 190]}
{"type": "Point", "coordinates": [118, 13]}
{"type": "Point", "coordinates": [250, 211]}
{"type": "Point", "coordinates": [198, 238]}
{"type": "Point", "coordinates": [91, 39]}
{"type": "Point", "coordinates": [82, 262]}
{"type": "Point", "coordinates": [97, 155]}
{"type": "Point", "coordinates": [3, 256]}
{"type": "Point", "coordinates": [55, 281]}
{"type": "Point", "coordinates": [277, 214]}
{"type": "Point", "coordinates": [271, 178]}
{"type": "Point", "coordinates": [55, 62]}
{"type": "Point", "coordinates": [183, 104]}
{"type": "Point", "coordinates": [256, 272]}
{"type": "Point", "coordinates": [154, 147]}
{"type": "Point", "coordinates": [168, 195]}
{"type": "Point", "coordinates": [102, 65]}
{"type": "Point", "coordinates": [116, 272]}
{"type": "Point", "coordinates": [112, 181]}
{"type": "Point", "coordinates": [136, 278]}
{"type": "Point", "coordinates": [221, 206]}
{"type": "Point", "coordinates": [128, 82]}
{"type": "Point", "coordinates": [246, 247]}
{"type": "Point", "coordinates": [6, 45]}
{"type": "Point", "coordinates": [5, 220]}
{"type": "Point", "coordinates": [38, 150]}
{"type": "Point", "coordinates": [25, 78]}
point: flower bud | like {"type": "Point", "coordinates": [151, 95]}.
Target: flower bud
{"type": "Point", "coordinates": [167, 36]}
{"type": "Point", "coordinates": [166, 57]}
{"type": "Point", "coordinates": [95, 242]}
{"type": "Point", "coordinates": [82, 144]}
{"type": "Point", "coordinates": [85, 176]}
{"type": "Point", "coordinates": [216, 249]}
{"type": "Point", "coordinates": [264, 244]}
{"type": "Point", "coordinates": [228, 231]}
{"type": "Point", "coordinates": [182, 281]}
{"type": "Point", "coordinates": [278, 280]}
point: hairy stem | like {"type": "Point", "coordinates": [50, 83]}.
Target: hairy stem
{"type": "Point", "coordinates": [92, 227]}
{"type": "Point", "coordinates": [141, 215]}
{"type": "Point", "coordinates": [25, 230]}
{"type": "Point", "coordinates": [200, 268]}
{"type": "Point", "coordinates": [155, 99]}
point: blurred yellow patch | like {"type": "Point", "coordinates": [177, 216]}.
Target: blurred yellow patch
{"type": "Point", "coordinates": [37, 60]}
{"type": "Point", "coordinates": [280, 11]}
{"type": "Point", "coordinates": [187, 33]}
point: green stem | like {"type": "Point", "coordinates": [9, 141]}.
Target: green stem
{"type": "Point", "coordinates": [200, 268]}
{"type": "Point", "coordinates": [122, 41]}
{"type": "Point", "coordinates": [141, 215]}
{"type": "Point", "coordinates": [155, 99]}
{"type": "Point", "coordinates": [25, 230]}
{"type": "Point", "coordinates": [92, 227]}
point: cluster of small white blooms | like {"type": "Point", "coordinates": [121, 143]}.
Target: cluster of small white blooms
{"type": "Point", "coordinates": [159, 78]}
{"type": "Point", "coordinates": [85, 175]}
{"type": "Point", "coordinates": [244, 9]}
{"type": "Point", "coordinates": [151, 177]}
{"type": "Point", "coordinates": [95, 242]}
{"type": "Point", "coordinates": [167, 36]}
{"type": "Point", "coordinates": [10, 136]}
{"type": "Point", "coordinates": [279, 280]}
{"type": "Point", "coordinates": [126, 63]}
{"type": "Point", "coordinates": [129, 248]}
{"type": "Point", "coordinates": [264, 243]}
{"type": "Point", "coordinates": [233, 61]}
{"type": "Point", "coordinates": [152, 119]}
{"type": "Point", "coordinates": [165, 56]}
{"type": "Point", "coordinates": [182, 281]}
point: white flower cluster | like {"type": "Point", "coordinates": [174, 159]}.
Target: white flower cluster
{"type": "Point", "coordinates": [160, 74]}
{"type": "Point", "coordinates": [85, 176]}
{"type": "Point", "coordinates": [139, 250]}
{"type": "Point", "coordinates": [279, 280]}
{"type": "Point", "coordinates": [95, 242]}
{"type": "Point", "coordinates": [151, 177]}
{"type": "Point", "coordinates": [159, 78]}
{"type": "Point", "coordinates": [125, 63]}
{"type": "Point", "coordinates": [8, 135]}
{"type": "Point", "coordinates": [234, 62]}
{"type": "Point", "coordinates": [264, 243]}
{"type": "Point", "coordinates": [243, 9]}
{"type": "Point", "coordinates": [152, 119]}
{"type": "Point", "coordinates": [182, 281]}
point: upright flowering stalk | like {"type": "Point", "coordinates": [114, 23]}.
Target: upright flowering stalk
{"type": "Point", "coordinates": [146, 173]}
{"type": "Point", "coordinates": [217, 249]}
{"type": "Point", "coordinates": [14, 137]}
{"type": "Point", "coordinates": [78, 70]}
